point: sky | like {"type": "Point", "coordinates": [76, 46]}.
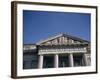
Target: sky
{"type": "Point", "coordinates": [39, 25]}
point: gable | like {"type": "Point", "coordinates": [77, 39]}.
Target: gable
{"type": "Point", "coordinates": [62, 39]}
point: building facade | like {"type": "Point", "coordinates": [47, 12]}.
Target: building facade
{"type": "Point", "coordinates": [56, 52]}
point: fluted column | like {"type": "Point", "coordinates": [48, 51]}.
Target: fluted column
{"type": "Point", "coordinates": [56, 61]}
{"type": "Point", "coordinates": [71, 61]}
{"type": "Point", "coordinates": [40, 63]}
{"type": "Point", "coordinates": [85, 59]}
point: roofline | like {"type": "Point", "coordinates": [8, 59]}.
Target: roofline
{"type": "Point", "coordinates": [77, 38]}
{"type": "Point", "coordinates": [53, 37]}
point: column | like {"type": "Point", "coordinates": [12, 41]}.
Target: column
{"type": "Point", "coordinates": [56, 61]}
{"type": "Point", "coordinates": [71, 61]}
{"type": "Point", "coordinates": [40, 62]}
{"type": "Point", "coordinates": [85, 59]}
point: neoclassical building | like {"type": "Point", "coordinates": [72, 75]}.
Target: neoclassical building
{"type": "Point", "coordinates": [56, 52]}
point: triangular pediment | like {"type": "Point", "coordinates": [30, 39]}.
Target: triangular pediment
{"type": "Point", "coordinates": [62, 39]}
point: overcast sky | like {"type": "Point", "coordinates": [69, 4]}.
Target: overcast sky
{"type": "Point", "coordinates": [38, 25]}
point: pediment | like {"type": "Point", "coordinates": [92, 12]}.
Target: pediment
{"type": "Point", "coordinates": [62, 39]}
